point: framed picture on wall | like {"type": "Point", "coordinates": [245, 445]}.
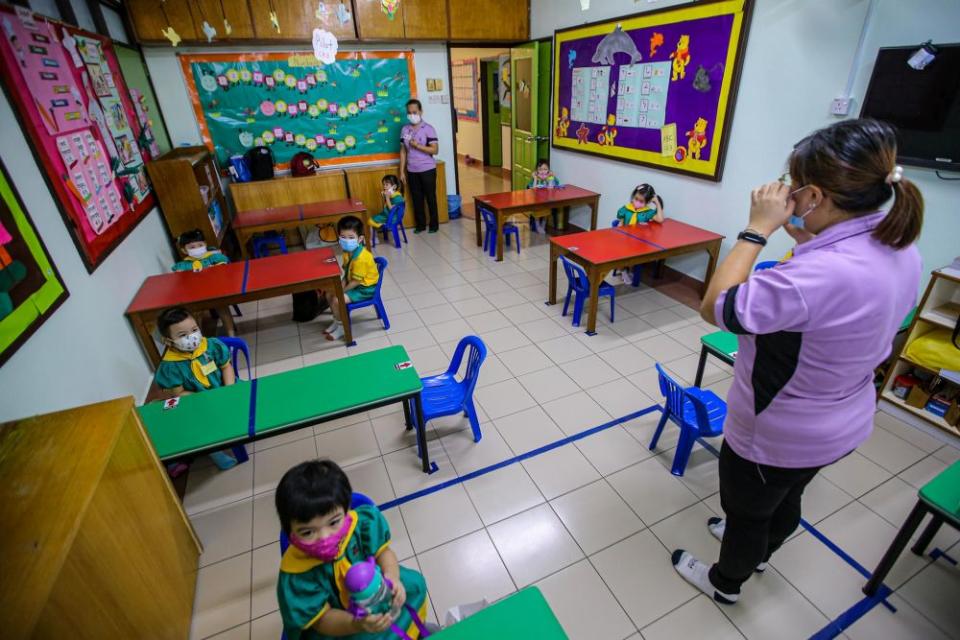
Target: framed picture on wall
{"type": "Point", "coordinates": [655, 88]}
{"type": "Point", "coordinates": [30, 286]}
{"type": "Point", "coordinates": [465, 80]}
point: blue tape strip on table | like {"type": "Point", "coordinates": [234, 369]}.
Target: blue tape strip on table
{"type": "Point", "coordinates": [652, 244]}
{"type": "Point", "coordinates": [252, 418]}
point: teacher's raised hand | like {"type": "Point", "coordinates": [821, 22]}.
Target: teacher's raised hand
{"type": "Point", "coordinates": [770, 207]}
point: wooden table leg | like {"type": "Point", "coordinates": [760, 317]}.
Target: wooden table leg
{"type": "Point", "coordinates": [367, 228]}
{"type": "Point", "coordinates": [344, 316]}
{"type": "Point", "coordinates": [476, 220]}
{"type": "Point", "coordinates": [554, 252]}
{"type": "Point", "coordinates": [714, 251]}
{"type": "Point", "coordinates": [500, 217]}
{"type": "Point", "coordinates": [566, 218]}
{"type": "Point", "coordinates": [242, 239]}
{"type": "Point", "coordinates": [595, 276]}
{"type": "Point", "coordinates": [146, 339]}
{"type": "Point", "coordinates": [227, 318]}
{"type": "Point", "coordinates": [594, 212]}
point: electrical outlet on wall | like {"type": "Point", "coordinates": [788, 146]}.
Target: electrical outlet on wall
{"type": "Point", "coordinates": [841, 106]}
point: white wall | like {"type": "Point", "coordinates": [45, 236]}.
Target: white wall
{"type": "Point", "coordinates": [430, 61]}
{"type": "Point", "coordinates": [469, 132]}
{"type": "Point", "coordinates": [798, 57]}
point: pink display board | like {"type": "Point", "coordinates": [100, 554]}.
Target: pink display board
{"type": "Point", "coordinates": [75, 111]}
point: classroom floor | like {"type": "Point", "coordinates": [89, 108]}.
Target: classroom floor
{"type": "Point", "coordinates": [593, 522]}
{"type": "Point", "coordinates": [476, 179]}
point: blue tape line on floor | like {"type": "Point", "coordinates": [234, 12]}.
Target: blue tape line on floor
{"type": "Point", "coordinates": [252, 418]}
{"type": "Point", "coordinates": [846, 619]}
{"type": "Point", "coordinates": [396, 502]}
{"type": "Point", "coordinates": [246, 272]}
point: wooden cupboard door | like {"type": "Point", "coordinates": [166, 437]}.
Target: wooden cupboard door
{"type": "Point", "coordinates": [373, 23]}
{"type": "Point", "coordinates": [298, 19]}
{"type": "Point", "coordinates": [149, 20]}
{"type": "Point", "coordinates": [216, 12]}
{"type": "Point", "coordinates": [507, 20]}
{"type": "Point", "coordinates": [425, 19]}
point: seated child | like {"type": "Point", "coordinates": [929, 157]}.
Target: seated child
{"type": "Point", "coordinates": [192, 363]}
{"type": "Point", "coordinates": [392, 195]}
{"type": "Point", "coordinates": [542, 177]}
{"type": "Point", "coordinates": [327, 537]}
{"type": "Point", "coordinates": [360, 275]}
{"type": "Point", "coordinates": [645, 205]}
{"type": "Point", "coordinates": [196, 255]}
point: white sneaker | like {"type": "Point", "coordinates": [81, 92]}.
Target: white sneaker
{"type": "Point", "coordinates": [698, 574]}
{"type": "Point", "coordinates": [627, 275]}
{"type": "Point", "coordinates": [331, 327]}
{"type": "Point", "coordinates": [717, 526]}
{"type": "Point", "coordinates": [336, 332]}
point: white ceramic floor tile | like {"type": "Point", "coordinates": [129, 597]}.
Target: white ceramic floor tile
{"type": "Point", "coordinates": [596, 516]}
{"type": "Point", "coordinates": [268, 627]}
{"type": "Point", "coordinates": [548, 384]}
{"type": "Point", "coordinates": [612, 449]}
{"type": "Point", "coordinates": [209, 487]}
{"type": "Point", "coordinates": [399, 538]}
{"type": "Point", "coordinates": [702, 474]}
{"type": "Point", "coordinates": [503, 493]}
{"type": "Point", "coordinates": [468, 456]}
{"type": "Point", "coordinates": [822, 498]}
{"type": "Point", "coordinates": [560, 470]}
{"type": "Point", "coordinates": [699, 618]}
{"type": "Point", "coordinates": [525, 360]}
{"type": "Point", "coordinates": [687, 530]}
{"type": "Point", "coordinates": [437, 313]}
{"type": "Point", "coordinates": [429, 361]}
{"type": "Point", "coordinates": [889, 451]}
{"type": "Point", "coordinates": [522, 313]}
{"type": "Point", "coordinates": [391, 432]}
{"type": "Point", "coordinates": [239, 632]}
{"type": "Point", "coordinates": [270, 465]}
{"type": "Point", "coordinates": [665, 320]}
{"type": "Point", "coordinates": [933, 592]}
{"type": "Point", "coordinates": [534, 544]}
{"type": "Point", "coordinates": [266, 524]}
{"type": "Point", "coordinates": [348, 445]}
{"type": "Point", "coordinates": [590, 371]}
{"type": "Point", "coordinates": [776, 610]}
{"type": "Point", "coordinates": [487, 321]}
{"type": "Point", "coordinates": [419, 338]}
{"type": "Point", "coordinates": [503, 398]}
{"type": "Point", "coordinates": [576, 412]}
{"type": "Point", "coordinates": [923, 472]}
{"type": "Point", "coordinates": [450, 329]}
{"type": "Point", "coordinates": [620, 398]}
{"type": "Point", "coordinates": [651, 491]}
{"type": "Point", "coordinates": [882, 624]}
{"type": "Point", "coordinates": [528, 429]}
{"type": "Point", "coordinates": [634, 329]}
{"type": "Point", "coordinates": [684, 370]}
{"type": "Point", "coordinates": [224, 531]}
{"type": "Point", "coordinates": [564, 349]}
{"type": "Point", "coordinates": [663, 348]}
{"type": "Point", "coordinates": [638, 572]}
{"type": "Point", "coordinates": [627, 359]}
{"type": "Point", "coordinates": [505, 339]}
{"type": "Point", "coordinates": [855, 474]}
{"type": "Point", "coordinates": [542, 329]}
{"type": "Point", "coordinates": [371, 479]}
{"type": "Point", "coordinates": [439, 517]}
{"type": "Point", "coordinates": [406, 474]}
{"type": "Point", "coordinates": [265, 570]}
{"type": "Point", "coordinates": [223, 596]}
{"type": "Point", "coordinates": [903, 430]}
{"type": "Point", "coordinates": [578, 589]}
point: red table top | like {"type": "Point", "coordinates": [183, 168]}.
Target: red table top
{"type": "Point", "coordinates": [670, 234]}
{"type": "Point", "coordinates": [332, 208]}
{"type": "Point", "coordinates": [186, 287]}
{"type": "Point", "coordinates": [273, 215]}
{"type": "Point", "coordinates": [282, 270]}
{"type": "Point", "coordinates": [604, 245]}
{"type": "Point", "coordinates": [535, 197]}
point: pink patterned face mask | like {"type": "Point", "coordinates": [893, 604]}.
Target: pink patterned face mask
{"type": "Point", "coordinates": [325, 549]}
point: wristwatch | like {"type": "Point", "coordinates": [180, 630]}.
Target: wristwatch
{"type": "Point", "coordinates": [752, 236]}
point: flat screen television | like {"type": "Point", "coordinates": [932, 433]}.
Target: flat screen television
{"type": "Point", "coordinates": [924, 105]}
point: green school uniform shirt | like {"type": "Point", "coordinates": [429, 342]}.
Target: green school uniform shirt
{"type": "Point", "coordinates": [381, 217]}
{"type": "Point", "coordinates": [627, 212]}
{"type": "Point", "coordinates": [550, 182]}
{"type": "Point", "coordinates": [308, 588]}
{"type": "Point", "coordinates": [170, 375]}
{"type": "Point", "coordinates": [211, 259]}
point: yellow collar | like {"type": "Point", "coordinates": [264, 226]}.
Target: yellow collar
{"type": "Point", "coordinates": [173, 355]}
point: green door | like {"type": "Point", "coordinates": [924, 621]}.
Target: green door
{"type": "Point", "coordinates": [525, 90]}
{"type": "Point", "coordinates": [493, 150]}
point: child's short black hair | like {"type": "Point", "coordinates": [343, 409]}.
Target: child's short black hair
{"type": "Point", "coordinates": [541, 162]}
{"type": "Point", "coordinates": [350, 223]}
{"type": "Point", "coordinates": [646, 192]}
{"type": "Point", "coordinates": [194, 235]}
{"type": "Point", "coordinates": [392, 180]}
{"type": "Point", "coordinates": [310, 489]}
{"type": "Point", "coordinates": [416, 102]}
{"type": "Point", "coordinates": [170, 317]}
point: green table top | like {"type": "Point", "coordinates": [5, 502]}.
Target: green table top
{"type": "Point", "coordinates": [221, 417]}
{"type": "Point", "coordinates": [722, 342]}
{"type": "Point", "coordinates": [943, 492]}
{"type": "Point", "coordinates": [523, 616]}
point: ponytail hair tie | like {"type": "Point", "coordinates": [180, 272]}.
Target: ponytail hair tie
{"type": "Point", "coordinates": [894, 176]}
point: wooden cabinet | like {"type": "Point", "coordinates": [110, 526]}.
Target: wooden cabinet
{"type": "Point", "coordinates": [187, 184]}
{"type": "Point", "coordinates": [364, 183]}
{"type": "Point", "coordinates": [236, 12]}
{"type": "Point", "coordinates": [298, 19]}
{"type": "Point", "coordinates": [373, 23]}
{"type": "Point", "coordinates": [95, 542]}
{"type": "Point", "coordinates": [506, 20]}
{"type": "Point", "coordinates": [150, 17]}
{"type": "Point", "coordinates": [284, 191]}
{"type": "Point", "coordinates": [426, 19]}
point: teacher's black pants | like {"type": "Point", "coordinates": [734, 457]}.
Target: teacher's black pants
{"type": "Point", "coordinates": [424, 185]}
{"type": "Point", "coordinates": [762, 507]}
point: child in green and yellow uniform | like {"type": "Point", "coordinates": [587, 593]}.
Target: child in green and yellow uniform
{"type": "Point", "coordinates": [392, 195]}
{"type": "Point", "coordinates": [360, 274]}
{"type": "Point", "coordinates": [196, 255]}
{"type": "Point", "coordinates": [326, 539]}
{"type": "Point", "coordinates": [192, 363]}
{"type": "Point", "coordinates": [644, 206]}
{"type": "Point", "coordinates": [543, 178]}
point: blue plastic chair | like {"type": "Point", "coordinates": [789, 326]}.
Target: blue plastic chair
{"type": "Point", "coordinates": [356, 500]}
{"type": "Point", "coordinates": [376, 301]}
{"type": "Point", "coordinates": [579, 287]}
{"type": "Point", "coordinates": [490, 236]}
{"type": "Point", "coordinates": [444, 395]}
{"type": "Point", "coordinates": [698, 412]}
{"type": "Point", "coordinates": [394, 225]}
{"type": "Point", "coordinates": [261, 244]}
{"type": "Point", "coordinates": [237, 346]}
{"type": "Point", "coordinates": [768, 264]}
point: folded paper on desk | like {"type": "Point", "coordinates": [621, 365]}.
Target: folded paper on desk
{"type": "Point", "coordinates": [461, 611]}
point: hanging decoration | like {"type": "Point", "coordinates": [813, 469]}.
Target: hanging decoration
{"type": "Point", "coordinates": [227, 27]}
{"type": "Point", "coordinates": [389, 7]}
{"type": "Point", "coordinates": [325, 46]}
{"type": "Point", "coordinates": [274, 20]}
{"type": "Point", "coordinates": [343, 14]}
{"type": "Point", "coordinates": [169, 32]}
{"type": "Point", "coordinates": [322, 13]}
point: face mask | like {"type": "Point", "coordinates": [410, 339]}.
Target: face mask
{"type": "Point", "coordinates": [349, 244]}
{"type": "Point", "coordinates": [325, 549]}
{"type": "Point", "coordinates": [639, 204]}
{"type": "Point", "coordinates": [189, 342]}
{"type": "Point", "coordinates": [542, 173]}
{"type": "Point", "coordinates": [196, 252]}
{"type": "Point", "coordinates": [796, 220]}
{"type": "Point", "coordinates": [414, 118]}
{"type": "Point", "coordinates": [388, 190]}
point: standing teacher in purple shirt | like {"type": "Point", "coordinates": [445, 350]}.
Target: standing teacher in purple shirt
{"type": "Point", "coordinates": [810, 332]}
{"type": "Point", "coordinates": [418, 146]}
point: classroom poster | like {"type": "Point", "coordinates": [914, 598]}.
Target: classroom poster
{"type": "Point", "coordinates": [30, 287]}
{"type": "Point", "coordinates": [346, 112]}
{"type": "Point", "coordinates": [655, 88]}
{"type": "Point", "coordinates": [75, 109]}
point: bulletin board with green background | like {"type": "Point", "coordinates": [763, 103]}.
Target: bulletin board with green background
{"type": "Point", "coordinates": [346, 112]}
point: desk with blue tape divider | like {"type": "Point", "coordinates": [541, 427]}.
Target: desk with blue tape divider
{"type": "Point", "coordinates": [270, 405]}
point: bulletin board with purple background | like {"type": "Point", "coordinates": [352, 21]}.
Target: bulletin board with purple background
{"type": "Point", "coordinates": [656, 88]}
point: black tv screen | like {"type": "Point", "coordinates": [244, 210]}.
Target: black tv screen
{"type": "Point", "coordinates": [924, 105]}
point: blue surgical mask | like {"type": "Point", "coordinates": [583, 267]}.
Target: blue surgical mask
{"type": "Point", "coordinates": [798, 222]}
{"type": "Point", "coordinates": [349, 244]}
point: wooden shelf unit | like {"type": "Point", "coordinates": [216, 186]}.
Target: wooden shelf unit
{"type": "Point", "coordinates": [940, 302]}
{"type": "Point", "coordinates": [177, 178]}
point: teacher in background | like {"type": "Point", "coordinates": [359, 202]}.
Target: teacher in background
{"type": "Point", "coordinates": [418, 146]}
{"type": "Point", "coordinates": [810, 332]}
